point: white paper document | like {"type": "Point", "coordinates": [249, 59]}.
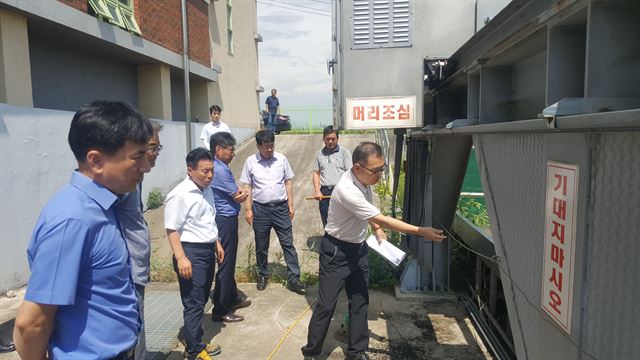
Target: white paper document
{"type": "Point", "coordinates": [387, 250]}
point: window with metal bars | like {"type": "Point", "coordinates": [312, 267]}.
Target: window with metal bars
{"type": "Point", "coordinates": [381, 23]}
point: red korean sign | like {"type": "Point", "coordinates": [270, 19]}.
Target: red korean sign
{"type": "Point", "coordinates": [559, 242]}
{"type": "Point", "coordinates": [381, 112]}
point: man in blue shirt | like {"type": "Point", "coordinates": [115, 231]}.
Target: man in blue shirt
{"type": "Point", "coordinates": [136, 233]}
{"type": "Point", "coordinates": [273, 108]}
{"type": "Point", "coordinates": [227, 200]}
{"type": "Point", "coordinates": [80, 301]}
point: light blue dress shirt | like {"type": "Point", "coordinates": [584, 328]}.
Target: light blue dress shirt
{"type": "Point", "coordinates": [79, 261]}
{"type": "Point", "coordinates": [136, 233]}
{"type": "Point", "coordinates": [266, 177]}
{"type": "Point", "coordinates": [224, 186]}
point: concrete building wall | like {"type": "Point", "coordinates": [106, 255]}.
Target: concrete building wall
{"type": "Point", "coordinates": [64, 76]}
{"type": "Point", "coordinates": [235, 91]}
{"type": "Point", "coordinates": [41, 162]}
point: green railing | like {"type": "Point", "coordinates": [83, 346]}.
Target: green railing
{"type": "Point", "coordinates": [308, 119]}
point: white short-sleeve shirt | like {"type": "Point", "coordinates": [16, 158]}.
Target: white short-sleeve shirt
{"type": "Point", "coordinates": [192, 213]}
{"type": "Point", "coordinates": [210, 128]}
{"type": "Point", "coordinates": [266, 177]}
{"type": "Point", "coordinates": [350, 209]}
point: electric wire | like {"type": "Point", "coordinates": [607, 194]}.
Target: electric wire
{"type": "Point", "coordinates": [496, 260]}
{"type": "Point", "coordinates": [300, 6]}
{"type": "Point", "coordinates": [291, 328]}
{"type": "Point", "coordinates": [293, 9]}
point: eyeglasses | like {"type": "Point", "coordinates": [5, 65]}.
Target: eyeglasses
{"type": "Point", "coordinates": [155, 150]}
{"type": "Point", "coordinates": [376, 171]}
{"type": "Point", "coordinates": [230, 148]}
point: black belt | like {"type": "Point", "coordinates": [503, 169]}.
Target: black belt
{"type": "Point", "coordinates": [337, 242]}
{"type": "Point", "coordinates": [272, 204]}
{"type": "Point", "coordinates": [126, 355]}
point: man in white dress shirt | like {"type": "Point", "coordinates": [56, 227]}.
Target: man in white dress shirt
{"type": "Point", "coordinates": [189, 218]}
{"type": "Point", "coordinates": [343, 251]}
{"type": "Point", "coordinates": [213, 126]}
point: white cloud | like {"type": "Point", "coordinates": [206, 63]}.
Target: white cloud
{"type": "Point", "coordinates": [294, 53]}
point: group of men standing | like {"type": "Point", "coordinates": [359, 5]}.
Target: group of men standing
{"type": "Point", "coordinates": [89, 254]}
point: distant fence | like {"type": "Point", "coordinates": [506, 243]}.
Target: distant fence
{"type": "Point", "coordinates": [308, 119]}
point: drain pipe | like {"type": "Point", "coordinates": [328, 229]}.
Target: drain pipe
{"type": "Point", "coordinates": [185, 66]}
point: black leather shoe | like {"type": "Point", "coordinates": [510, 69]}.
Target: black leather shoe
{"type": "Point", "coordinates": [229, 318]}
{"type": "Point", "coordinates": [9, 347]}
{"type": "Point", "coordinates": [296, 286]}
{"type": "Point", "coordinates": [241, 304]}
{"type": "Point", "coordinates": [262, 283]}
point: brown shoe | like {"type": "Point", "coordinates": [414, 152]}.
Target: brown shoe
{"type": "Point", "coordinates": [229, 318]}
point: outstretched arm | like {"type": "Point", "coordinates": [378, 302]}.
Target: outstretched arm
{"type": "Point", "coordinates": [387, 222]}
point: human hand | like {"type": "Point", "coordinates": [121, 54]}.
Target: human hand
{"type": "Point", "coordinates": [380, 235]}
{"type": "Point", "coordinates": [184, 267]}
{"type": "Point", "coordinates": [291, 212]}
{"type": "Point", "coordinates": [240, 196]}
{"type": "Point", "coordinates": [429, 233]}
{"type": "Point", "coordinates": [248, 216]}
{"type": "Point", "coordinates": [317, 195]}
{"type": "Point", "coordinates": [219, 252]}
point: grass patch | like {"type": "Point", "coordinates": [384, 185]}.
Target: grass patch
{"type": "Point", "coordinates": [162, 270]}
{"type": "Point", "coordinates": [155, 198]}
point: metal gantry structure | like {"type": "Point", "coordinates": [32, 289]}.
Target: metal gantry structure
{"type": "Point", "coordinates": [547, 93]}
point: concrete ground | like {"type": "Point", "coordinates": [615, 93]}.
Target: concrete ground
{"type": "Point", "coordinates": [399, 329]}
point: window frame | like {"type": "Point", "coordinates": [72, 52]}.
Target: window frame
{"type": "Point", "coordinates": [230, 47]}
{"type": "Point", "coordinates": [117, 13]}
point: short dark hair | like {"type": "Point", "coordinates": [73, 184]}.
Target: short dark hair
{"type": "Point", "coordinates": [215, 108]}
{"type": "Point", "coordinates": [221, 138]}
{"type": "Point", "coordinates": [157, 127]}
{"type": "Point", "coordinates": [365, 150]}
{"type": "Point", "coordinates": [196, 155]}
{"type": "Point", "coordinates": [265, 136]}
{"type": "Point", "coordinates": [330, 130]}
{"type": "Point", "coordinates": [105, 126]}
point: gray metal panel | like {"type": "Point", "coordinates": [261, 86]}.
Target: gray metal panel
{"type": "Point", "coordinates": [613, 281]}
{"type": "Point", "coordinates": [513, 171]}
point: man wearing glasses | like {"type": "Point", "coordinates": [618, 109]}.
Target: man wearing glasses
{"type": "Point", "coordinates": [80, 302]}
{"type": "Point", "coordinates": [269, 204]}
{"type": "Point", "coordinates": [129, 210]}
{"type": "Point", "coordinates": [343, 251]}
{"type": "Point", "coordinates": [227, 199]}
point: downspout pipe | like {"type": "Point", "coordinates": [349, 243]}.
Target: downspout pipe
{"type": "Point", "coordinates": [185, 66]}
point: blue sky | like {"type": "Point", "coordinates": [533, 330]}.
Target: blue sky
{"type": "Point", "coordinates": [294, 52]}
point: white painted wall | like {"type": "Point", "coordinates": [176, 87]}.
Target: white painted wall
{"type": "Point", "coordinates": [35, 161]}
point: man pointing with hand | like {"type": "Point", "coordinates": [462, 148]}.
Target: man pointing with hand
{"type": "Point", "coordinates": [343, 250]}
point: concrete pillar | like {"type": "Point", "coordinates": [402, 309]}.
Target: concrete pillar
{"type": "Point", "coordinates": [15, 65]}
{"type": "Point", "coordinates": [201, 98]}
{"type": "Point", "coordinates": [154, 91]}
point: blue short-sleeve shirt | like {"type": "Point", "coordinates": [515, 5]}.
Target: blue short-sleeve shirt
{"type": "Point", "coordinates": [79, 261]}
{"type": "Point", "coordinates": [272, 104]}
{"type": "Point", "coordinates": [224, 186]}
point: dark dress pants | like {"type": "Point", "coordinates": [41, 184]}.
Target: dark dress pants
{"type": "Point", "coordinates": [323, 204]}
{"type": "Point", "coordinates": [195, 292]}
{"type": "Point", "coordinates": [266, 216]}
{"type": "Point", "coordinates": [345, 265]}
{"type": "Point", "coordinates": [225, 291]}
